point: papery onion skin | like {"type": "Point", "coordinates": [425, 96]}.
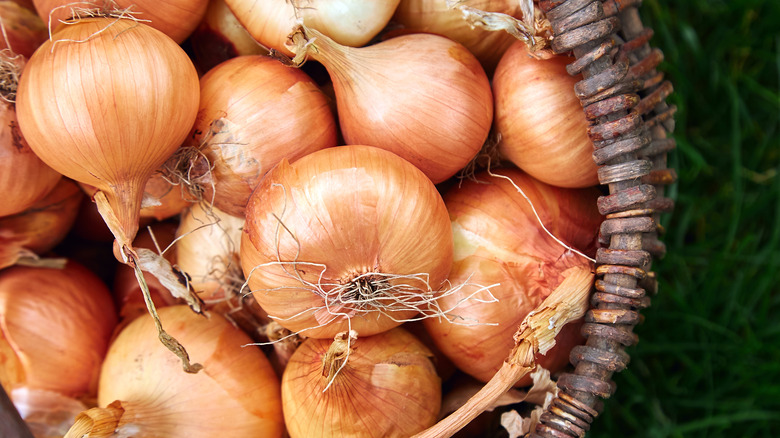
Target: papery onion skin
{"type": "Point", "coordinates": [435, 16]}
{"type": "Point", "coordinates": [175, 18]}
{"type": "Point", "coordinates": [543, 129]}
{"type": "Point", "coordinates": [498, 240]}
{"type": "Point", "coordinates": [388, 388]}
{"type": "Point", "coordinates": [136, 101]}
{"type": "Point", "coordinates": [236, 394]}
{"type": "Point", "coordinates": [353, 210]}
{"type": "Point", "coordinates": [254, 111]}
{"type": "Point", "coordinates": [23, 30]}
{"type": "Point", "coordinates": [43, 226]}
{"type": "Point", "coordinates": [57, 323]}
{"type": "Point", "coordinates": [350, 22]}
{"type": "Point", "coordinates": [421, 96]}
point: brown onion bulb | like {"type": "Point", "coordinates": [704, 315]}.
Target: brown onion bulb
{"type": "Point", "coordinates": [346, 237]}
{"type": "Point", "coordinates": [43, 226]}
{"type": "Point", "coordinates": [350, 22]}
{"type": "Point", "coordinates": [105, 102]}
{"type": "Point", "coordinates": [175, 18]}
{"type": "Point", "coordinates": [543, 129]}
{"type": "Point", "coordinates": [143, 391]}
{"type": "Point", "coordinates": [56, 325]}
{"type": "Point", "coordinates": [421, 96]}
{"type": "Point", "coordinates": [254, 111]}
{"type": "Point", "coordinates": [23, 31]}
{"type": "Point", "coordinates": [435, 16]}
{"type": "Point", "coordinates": [382, 386]}
{"type": "Point", "coordinates": [498, 240]}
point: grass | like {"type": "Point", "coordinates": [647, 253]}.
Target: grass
{"type": "Point", "coordinates": [708, 361]}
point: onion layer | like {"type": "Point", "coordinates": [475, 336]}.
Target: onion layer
{"type": "Point", "coordinates": [346, 235]}
{"type": "Point", "coordinates": [498, 239]}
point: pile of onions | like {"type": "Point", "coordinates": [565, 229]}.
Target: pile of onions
{"type": "Point", "coordinates": [421, 96]}
{"type": "Point", "coordinates": [254, 111]}
{"type": "Point", "coordinates": [542, 126]}
{"type": "Point", "coordinates": [55, 326]}
{"type": "Point", "coordinates": [175, 18]}
{"type": "Point", "coordinates": [351, 237]}
{"type": "Point", "coordinates": [380, 386]}
{"type": "Point", "coordinates": [40, 228]}
{"type": "Point", "coordinates": [499, 240]}
{"type": "Point", "coordinates": [350, 22]}
{"type": "Point", "coordinates": [143, 391]}
{"type": "Point", "coordinates": [436, 16]}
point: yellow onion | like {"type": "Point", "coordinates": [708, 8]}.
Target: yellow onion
{"type": "Point", "coordinates": [346, 237]}
{"type": "Point", "coordinates": [435, 16]}
{"type": "Point", "coordinates": [499, 240]}
{"type": "Point", "coordinates": [380, 386]}
{"type": "Point", "coordinates": [220, 36]}
{"type": "Point", "coordinates": [56, 325]}
{"type": "Point", "coordinates": [143, 391]}
{"type": "Point", "coordinates": [350, 22]}
{"type": "Point", "coordinates": [543, 129]}
{"type": "Point", "coordinates": [254, 111]}
{"type": "Point", "coordinates": [105, 102]}
{"type": "Point", "coordinates": [23, 31]}
{"type": "Point", "coordinates": [175, 18]}
{"type": "Point", "coordinates": [40, 228]}
{"type": "Point", "coordinates": [421, 96]}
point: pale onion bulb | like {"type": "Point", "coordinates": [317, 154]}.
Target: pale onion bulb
{"type": "Point", "coordinates": [499, 240]}
{"type": "Point", "coordinates": [350, 22]}
{"type": "Point", "coordinates": [253, 112]}
{"type": "Point", "coordinates": [346, 237]}
{"type": "Point", "coordinates": [542, 126]}
{"type": "Point", "coordinates": [421, 96]}
{"type": "Point", "coordinates": [387, 387]}
{"type": "Point", "coordinates": [435, 16]}
{"type": "Point", "coordinates": [175, 18]}
{"type": "Point", "coordinates": [236, 394]}
{"type": "Point", "coordinates": [56, 325]}
{"type": "Point", "coordinates": [40, 228]}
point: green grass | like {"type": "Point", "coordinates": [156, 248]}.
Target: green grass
{"type": "Point", "coordinates": [708, 361]}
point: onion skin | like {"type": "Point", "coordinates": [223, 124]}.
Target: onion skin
{"type": "Point", "coordinates": [263, 111]}
{"type": "Point", "coordinates": [175, 18]}
{"type": "Point", "coordinates": [499, 240]}
{"type": "Point", "coordinates": [23, 29]}
{"type": "Point", "coordinates": [56, 325]}
{"type": "Point", "coordinates": [388, 388]}
{"type": "Point", "coordinates": [431, 104]}
{"type": "Point", "coordinates": [237, 394]}
{"type": "Point", "coordinates": [354, 210]}
{"type": "Point", "coordinates": [43, 226]}
{"type": "Point", "coordinates": [542, 126]}
{"type": "Point", "coordinates": [137, 100]}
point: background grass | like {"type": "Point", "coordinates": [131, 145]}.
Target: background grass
{"type": "Point", "coordinates": [708, 361]}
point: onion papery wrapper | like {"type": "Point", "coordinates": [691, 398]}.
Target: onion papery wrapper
{"type": "Point", "coordinates": [347, 237]}
{"type": "Point", "coordinates": [499, 240]}
{"type": "Point", "coordinates": [22, 30]}
{"type": "Point", "coordinates": [421, 96]}
{"type": "Point", "coordinates": [143, 392]}
{"type": "Point", "coordinates": [380, 386]}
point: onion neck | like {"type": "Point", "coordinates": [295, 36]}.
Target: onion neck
{"type": "Point", "coordinates": [120, 208]}
{"type": "Point", "coordinates": [311, 43]}
{"type": "Point", "coordinates": [97, 422]}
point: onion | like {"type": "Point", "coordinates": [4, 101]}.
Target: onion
{"type": "Point", "coordinates": [56, 325]}
{"type": "Point", "coordinates": [350, 22]}
{"type": "Point", "coordinates": [175, 18]}
{"type": "Point", "coordinates": [144, 393]}
{"type": "Point", "coordinates": [498, 239]}
{"type": "Point", "coordinates": [254, 111]}
{"type": "Point", "coordinates": [380, 386]}
{"type": "Point", "coordinates": [220, 36]}
{"type": "Point", "coordinates": [435, 16]}
{"type": "Point", "coordinates": [24, 178]}
{"type": "Point", "coordinates": [543, 129]}
{"type": "Point", "coordinates": [421, 96]}
{"type": "Point", "coordinates": [346, 237]}
{"type": "Point", "coordinates": [40, 228]}
{"type": "Point", "coordinates": [22, 29]}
